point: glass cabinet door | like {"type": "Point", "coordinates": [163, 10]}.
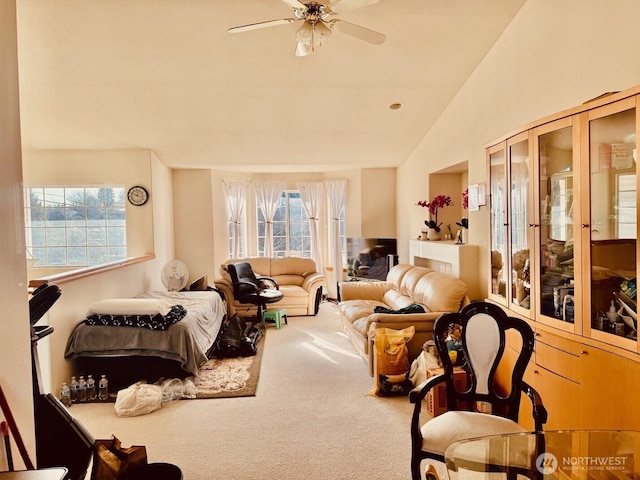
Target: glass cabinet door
{"type": "Point", "coordinates": [498, 197]}
{"type": "Point", "coordinates": [557, 217]}
{"type": "Point", "coordinates": [520, 219]}
{"type": "Point", "coordinates": [612, 224]}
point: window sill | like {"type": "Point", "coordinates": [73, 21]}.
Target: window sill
{"type": "Point", "coordinates": [73, 275]}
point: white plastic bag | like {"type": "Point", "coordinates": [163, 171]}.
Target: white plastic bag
{"type": "Point", "coordinates": [138, 399]}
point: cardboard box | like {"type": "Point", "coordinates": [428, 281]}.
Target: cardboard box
{"type": "Point", "coordinates": [436, 398]}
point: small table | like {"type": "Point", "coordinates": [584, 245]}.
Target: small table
{"type": "Point", "coordinates": [567, 454]}
{"type": "Point", "coordinates": [56, 473]}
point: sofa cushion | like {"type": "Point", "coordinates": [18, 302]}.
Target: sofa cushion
{"type": "Point", "coordinates": [288, 279]}
{"type": "Point", "coordinates": [411, 278]}
{"type": "Point", "coordinates": [354, 310]}
{"type": "Point", "coordinates": [440, 292]}
{"type": "Point", "coordinates": [395, 300]}
{"type": "Point", "coordinates": [292, 266]}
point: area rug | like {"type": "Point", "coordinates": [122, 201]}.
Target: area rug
{"type": "Point", "coordinates": [229, 377]}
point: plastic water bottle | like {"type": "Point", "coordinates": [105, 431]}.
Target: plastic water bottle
{"type": "Point", "coordinates": [74, 390]}
{"type": "Point", "coordinates": [103, 389]}
{"type": "Point", "coordinates": [82, 389]}
{"type": "Point", "coordinates": [65, 395]}
{"type": "Point", "coordinates": [91, 389]}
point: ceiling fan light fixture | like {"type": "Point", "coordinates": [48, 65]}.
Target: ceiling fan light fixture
{"type": "Point", "coordinates": [305, 33]}
{"type": "Point", "coordinates": [302, 49]}
{"type": "Point", "coordinates": [321, 33]}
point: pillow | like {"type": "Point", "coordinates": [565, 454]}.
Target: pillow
{"type": "Point", "coordinates": [130, 306]}
{"type": "Point", "coordinates": [200, 284]}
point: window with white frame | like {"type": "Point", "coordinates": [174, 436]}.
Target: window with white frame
{"type": "Point", "coordinates": [291, 229]}
{"type": "Point", "coordinates": [75, 226]}
{"type": "Point", "coordinates": [626, 205]}
{"type": "Point", "coordinates": [241, 237]}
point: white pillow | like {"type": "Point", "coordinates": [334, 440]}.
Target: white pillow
{"type": "Point", "coordinates": [130, 306]}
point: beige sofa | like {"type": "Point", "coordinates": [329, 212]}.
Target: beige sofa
{"type": "Point", "coordinates": [436, 292]}
{"type": "Point", "coordinates": [297, 278]}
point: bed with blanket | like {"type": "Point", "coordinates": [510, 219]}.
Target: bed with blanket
{"type": "Point", "coordinates": [159, 334]}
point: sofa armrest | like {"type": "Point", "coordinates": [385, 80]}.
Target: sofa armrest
{"type": "Point", "coordinates": [226, 287]}
{"type": "Point", "coordinates": [364, 290]}
{"type": "Point", "coordinates": [312, 280]}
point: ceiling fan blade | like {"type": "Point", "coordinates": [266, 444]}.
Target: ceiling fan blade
{"type": "Point", "coordinates": [295, 3]}
{"type": "Point", "coordinates": [256, 26]}
{"type": "Point", "coordinates": [340, 6]}
{"type": "Point", "coordinates": [362, 33]}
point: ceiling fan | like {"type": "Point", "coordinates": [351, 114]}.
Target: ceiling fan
{"type": "Point", "coordinates": [318, 22]}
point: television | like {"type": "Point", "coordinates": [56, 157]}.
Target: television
{"type": "Point", "coordinates": [370, 258]}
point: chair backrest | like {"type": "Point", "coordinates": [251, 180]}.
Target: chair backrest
{"type": "Point", "coordinates": [484, 326]}
{"type": "Point", "coordinates": [244, 280]}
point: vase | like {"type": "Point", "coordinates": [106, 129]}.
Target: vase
{"type": "Point", "coordinates": [433, 234]}
{"type": "Point", "coordinates": [465, 236]}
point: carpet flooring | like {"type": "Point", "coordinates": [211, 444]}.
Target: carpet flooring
{"type": "Point", "coordinates": [311, 417]}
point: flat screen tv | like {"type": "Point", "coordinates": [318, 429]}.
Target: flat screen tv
{"type": "Point", "coordinates": [370, 258]}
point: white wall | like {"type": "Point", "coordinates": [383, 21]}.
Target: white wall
{"type": "Point", "coordinates": [15, 343]}
{"type": "Point", "coordinates": [553, 56]}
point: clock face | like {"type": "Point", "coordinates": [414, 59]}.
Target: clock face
{"type": "Point", "coordinates": [137, 195]}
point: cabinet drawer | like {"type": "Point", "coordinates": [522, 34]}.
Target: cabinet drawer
{"type": "Point", "coordinates": [558, 342]}
{"type": "Point", "coordinates": [558, 361]}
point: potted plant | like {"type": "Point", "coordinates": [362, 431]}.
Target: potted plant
{"type": "Point", "coordinates": [438, 202]}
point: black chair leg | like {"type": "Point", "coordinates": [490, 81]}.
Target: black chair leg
{"type": "Point", "coordinates": [415, 470]}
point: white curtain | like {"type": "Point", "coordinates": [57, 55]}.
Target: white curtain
{"type": "Point", "coordinates": [337, 194]}
{"type": "Point", "coordinates": [311, 194]}
{"type": "Point", "coordinates": [236, 195]}
{"type": "Point", "coordinates": [267, 196]}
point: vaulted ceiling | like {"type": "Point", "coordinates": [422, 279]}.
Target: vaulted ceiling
{"type": "Point", "coordinates": [166, 75]}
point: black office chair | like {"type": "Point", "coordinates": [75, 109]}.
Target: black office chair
{"type": "Point", "coordinates": [247, 288]}
{"type": "Point", "coordinates": [483, 344]}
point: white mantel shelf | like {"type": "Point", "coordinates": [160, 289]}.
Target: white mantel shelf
{"type": "Point", "coordinates": [446, 256]}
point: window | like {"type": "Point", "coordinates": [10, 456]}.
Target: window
{"type": "Point", "coordinates": [626, 205]}
{"type": "Point", "coordinates": [291, 230]}
{"type": "Point", "coordinates": [75, 226]}
{"type": "Point", "coordinates": [241, 235]}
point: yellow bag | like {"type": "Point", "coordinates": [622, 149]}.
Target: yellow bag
{"type": "Point", "coordinates": [391, 361]}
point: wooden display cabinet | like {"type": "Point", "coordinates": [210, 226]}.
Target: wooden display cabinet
{"type": "Point", "coordinates": [564, 200]}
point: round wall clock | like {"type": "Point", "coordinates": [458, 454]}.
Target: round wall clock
{"type": "Point", "coordinates": [137, 195]}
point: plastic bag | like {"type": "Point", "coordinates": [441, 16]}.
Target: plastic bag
{"type": "Point", "coordinates": [176, 389]}
{"type": "Point", "coordinates": [427, 360]}
{"type": "Point", "coordinates": [391, 361]}
{"type": "Point", "coordinates": [138, 399]}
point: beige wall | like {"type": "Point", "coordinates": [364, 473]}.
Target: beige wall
{"type": "Point", "coordinates": [378, 193]}
{"type": "Point", "coordinates": [193, 221]}
{"type": "Point", "coordinates": [15, 343]}
{"type": "Point", "coordinates": [554, 55]}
